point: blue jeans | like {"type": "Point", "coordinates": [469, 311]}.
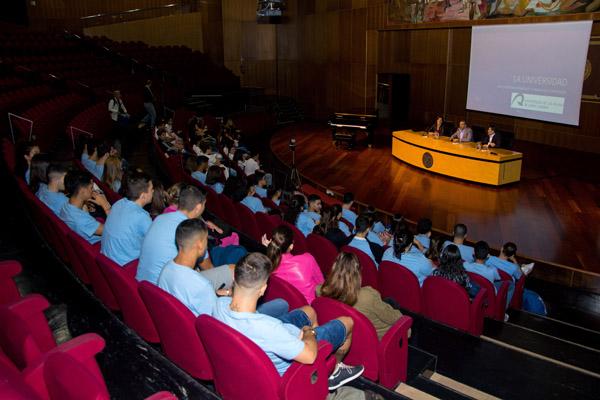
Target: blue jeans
{"type": "Point", "coordinates": [274, 308]}
{"type": "Point", "coordinates": [227, 255]}
{"type": "Point", "coordinates": [509, 294]}
{"type": "Point", "coordinates": [333, 332]}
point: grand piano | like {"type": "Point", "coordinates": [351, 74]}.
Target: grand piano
{"type": "Point", "coordinates": [345, 126]}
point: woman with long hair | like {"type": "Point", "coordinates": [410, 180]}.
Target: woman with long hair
{"type": "Point", "coordinates": [344, 284]}
{"type": "Point", "coordinates": [27, 152]}
{"type": "Point", "coordinates": [113, 173]}
{"type": "Point", "coordinates": [172, 197]}
{"type": "Point", "coordinates": [301, 270]}
{"type": "Point", "coordinates": [329, 226]}
{"type": "Point", "coordinates": [451, 268]}
{"type": "Point", "coordinates": [37, 172]}
{"type": "Point", "coordinates": [404, 252]}
{"type": "Point", "coordinates": [295, 207]}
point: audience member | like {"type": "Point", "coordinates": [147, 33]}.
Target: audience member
{"type": "Point", "coordinates": [347, 213]}
{"type": "Point", "coordinates": [460, 234]}
{"type": "Point", "coordinates": [307, 220]}
{"type": "Point", "coordinates": [80, 187]}
{"type": "Point", "coordinates": [173, 197]}
{"type": "Point", "coordinates": [291, 337]}
{"type": "Point", "coordinates": [128, 222]}
{"type": "Point", "coordinates": [253, 202]}
{"type": "Point", "coordinates": [113, 173]}
{"type": "Point", "coordinates": [38, 172]}
{"type": "Point", "coordinates": [507, 262]}
{"type": "Point", "coordinates": [424, 226]}
{"type": "Point", "coordinates": [94, 162]}
{"type": "Point", "coordinates": [52, 194]}
{"type": "Point", "coordinates": [295, 207]}
{"type": "Point", "coordinates": [301, 270]}
{"type": "Point", "coordinates": [329, 227]}
{"type": "Point", "coordinates": [160, 199]}
{"type": "Point", "coordinates": [214, 179]}
{"type": "Point", "coordinates": [451, 268]}
{"type": "Point", "coordinates": [29, 150]}
{"type": "Point", "coordinates": [337, 215]}
{"type": "Point", "coordinates": [344, 284]}
{"type": "Point", "coordinates": [201, 168]}
{"type": "Point", "coordinates": [252, 165]}
{"type": "Point", "coordinates": [360, 241]}
{"type": "Point", "coordinates": [401, 253]}
{"type": "Point", "coordinates": [261, 184]}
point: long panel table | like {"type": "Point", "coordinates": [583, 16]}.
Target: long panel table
{"type": "Point", "coordinates": [458, 160]}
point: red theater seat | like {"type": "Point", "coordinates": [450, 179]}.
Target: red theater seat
{"type": "Point", "coordinates": [368, 267]}
{"type": "Point", "coordinates": [8, 288]}
{"type": "Point", "coordinates": [400, 284]}
{"type": "Point", "coordinates": [323, 251]}
{"type": "Point", "coordinates": [281, 289]}
{"type": "Point", "coordinates": [496, 302]}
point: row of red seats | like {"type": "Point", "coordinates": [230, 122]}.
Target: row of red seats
{"type": "Point", "coordinates": [15, 100]}
{"type": "Point", "coordinates": [32, 365]}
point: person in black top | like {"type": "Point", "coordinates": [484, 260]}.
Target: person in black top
{"type": "Point", "coordinates": [439, 127]}
{"type": "Point", "coordinates": [150, 119]}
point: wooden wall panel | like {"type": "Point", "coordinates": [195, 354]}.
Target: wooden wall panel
{"type": "Point", "coordinates": [182, 29]}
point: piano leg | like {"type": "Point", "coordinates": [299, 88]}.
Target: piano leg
{"type": "Point", "coordinates": [370, 138]}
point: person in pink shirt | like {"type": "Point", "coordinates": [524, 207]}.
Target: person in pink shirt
{"type": "Point", "coordinates": [301, 270]}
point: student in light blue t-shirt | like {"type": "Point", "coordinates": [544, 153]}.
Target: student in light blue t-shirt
{"type": "Point", "coordinates": [460, 234]}
{"type": "Point", "coordinates": [423, 235]}
{"type": "Point", "coordinates": [261, 184]}
{"type": "Point", "coordinates": [507, 261]}
{"type": "Point", "coordinates": [308, 219]}
{"type": "Point", "coordinates": [128, 222]}
{"type": "Point", "coordinates": [482, 251]}
{"type": "Point", "coordinates": [80, 186]}
{"type": "Point", "coordinates": [201, 168]}
{"type": "Point", "coordinates": [215, 178]}
{"type": "Point", "coordinates": [401, 253]}
{"type": "Point", "coordinates": [347, 212]}
{"type": "Point", "coordinates": [52, 194]}
{"type": "Point", "coordinates": [94, 163]}
{"type": "Point", "coordinates": [291, 337]}
{"type": "Point", "coordinates": [253, 202]}
{"type": "Point", "coordinates": [359, 241]}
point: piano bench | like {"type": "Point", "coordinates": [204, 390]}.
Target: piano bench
{"type": "Point", "coordinates": [344, 138]}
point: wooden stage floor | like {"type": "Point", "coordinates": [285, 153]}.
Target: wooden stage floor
{"type": "Point", "coordinates": [553, 214]}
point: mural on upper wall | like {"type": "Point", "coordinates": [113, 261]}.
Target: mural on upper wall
{"type": "Point", "coordinates": [415, 11]}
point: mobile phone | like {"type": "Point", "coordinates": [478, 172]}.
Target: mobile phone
{"type": "Point", "coordinates": [222, 286]}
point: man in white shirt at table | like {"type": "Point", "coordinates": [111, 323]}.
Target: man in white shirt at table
{"type": "Point", "coordinates": [463, 133]}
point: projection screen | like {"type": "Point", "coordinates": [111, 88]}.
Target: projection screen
{"type": "Point", "coordinates": [529, 70]}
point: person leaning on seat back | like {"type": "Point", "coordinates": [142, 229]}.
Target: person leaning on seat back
{"type": "Point", "coordinates": [451, 268]}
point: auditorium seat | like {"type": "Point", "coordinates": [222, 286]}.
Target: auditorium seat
{"type": "Point", "coordinates": [174, 323]}
{"type": "Point", "coordinates": [386, 361]}
{"type": "Point", "coordinates": [496, 301]}
{"type": "Point", "coordinates": [26, 338]}
{"type": "Point", "coordinates": [87, 255]}
{"type": "Point", "coordinates": [124, 287]}
{"type": "Point", "coordinates": [300, 246]}
{"type": "Point", "coordinates": [323, 251]}
{"type": "Point", "coordinates": [248, 222]}
{"type": "Point", "coordinates": [230, 214]}
{"type": "Point", "coordinates": [281, 289]}
{"type": "Point", "coordinates": [237, 362]}
{"type": "Point", "coordinates": [368, 269]}
{"type": "Point", "coordinates": [9, 292]}
{"type": "Point", "coordinates": [448, 302]}
{"type": "Point", "coordinates": [265, 224]}
{"type": "Point", "coordinates": [68, 379]}
{"type": "Point", "coordinates": [400, 284]}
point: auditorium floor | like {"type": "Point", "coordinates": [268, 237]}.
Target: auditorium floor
{"type": "Point", "coordinates": [552, 214]}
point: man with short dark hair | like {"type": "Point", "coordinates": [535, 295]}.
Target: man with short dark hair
{"type": "Point", "coordinates": [460, 234]}
{"type": "Point", "coordinates": [201, 167]}
{"type": "Point", "coordinates": [507, 262]}
{"type": "Point", "coordinates": [493, 139]}
{"type": "Point", "coordinates": [261, 184]}
{"type": "Point", "coordinates": [424, 226]}
{"type": "Point", "coordinates": [80, 187]}
{"type": "Point", "coordinates": [293, 336]}
{"type": "Point", "coordinates": [360, 242]}
{"type": "Point", "coordinates": [252, 202]}
{"type": "Point", "coordinates": [52, 194]}
{"type": "Point", "coordinates": [463, 133]}
{"type": "Point", "coordinates": [128, 222]}
{"type": "Point", "coordinates": [308, 219]}
{"type": "Point", "coordinates": [347, 212]}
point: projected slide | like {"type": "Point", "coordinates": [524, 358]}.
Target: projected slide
{"type": "Point", "coordinates": [529, 70]}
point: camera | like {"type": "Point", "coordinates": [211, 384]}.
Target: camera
{"type": "Point", "coordinates": [292, 144]}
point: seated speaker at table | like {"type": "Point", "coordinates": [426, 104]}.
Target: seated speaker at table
{"type": "Point", "coordinates": [440, 127]}
{"type": "Point", "coordinates": [493, 138]}
{"type": "Point", "coordinates": [463, 133]}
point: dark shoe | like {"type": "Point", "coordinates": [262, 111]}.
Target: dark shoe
{"type": "Point", "coordinates": [344, 374]}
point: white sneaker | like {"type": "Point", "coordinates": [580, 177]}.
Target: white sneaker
{"type": "Point", "coordinates": [505, 317]}
{"type": "Point", "coordinates": [527, 268]}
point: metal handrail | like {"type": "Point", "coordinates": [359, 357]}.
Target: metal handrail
{"type": "Point", "coordinates": [135, 13]}
{"type": "Point", "coordinates": [74, 128]}
{"type": "Point", "coordinates": [10, 116]}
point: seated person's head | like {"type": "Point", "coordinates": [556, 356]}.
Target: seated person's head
{"type": "Point", "coordinates": [481, 250]}
{"type": "Point", "coordinates": [56, 175]}
{"type": "Point", "coordinates": [435, 249]}
{"type": "Point", "coordinates": [29, 150]}
{"type": "Point", "coordinates": [398, 223]}
{"type": "Point", "coordinates": [259, 178]}
{"type": "Point", "coordinates": [160, 199]}
{"type": "Point", "coordinates": [424, 226]}
{"type": "Point", "coordinates": [509, 249]}
{"type": "Point", "coordinates": [251, 274]}
{"type": "Point", "coordinates": [491, 130]}
{"type": "Point", "coordinates": [450, 259]}
{"type": "Point", "coordinates": [191, 237]}
{"type": "Point", "coordinates": [202, 163]}
{"type": "Point", "coordinates": [336, 212]}
{"type": "Point", "coordinates": [139, 188]}
{"type": "Point", "coordinates": [460, 231]}
{"type": "Point", "coordinates": [344, 281]}
{"type": "Point", "coordinates": [191, 201]}
{"type": "Point", "coordinates": [282, 241]}
{"type": "Point", "coordinates": [250, 189]}
{"type": "Point", "coordinates": [462, 124]}
{"type": "Point", "coordinates": [214, 175]}
{"type": "Point", "coordinates": [314, 203]}
{"type": "Point", "coordinates": [112, 170]}
{"type": "Point", "coordinates": [79, 185]}
{"type": "Point", "coordinates": [38, 171]}
{"type": "Point", "coordinates": [348, 198]}
{"type": "Point", "coordinates": [363, 224]}
{"type": "Point", "coordinates": [173, 193]}
{"type": "Point", "coordinates": [403, 240]}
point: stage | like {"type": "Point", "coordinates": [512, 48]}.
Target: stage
{"type": "Point", "coordinates": [553, 214]}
